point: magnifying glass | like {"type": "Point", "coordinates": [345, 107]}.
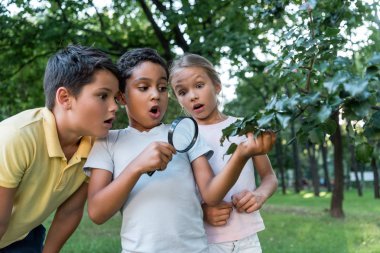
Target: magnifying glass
{"type": "Point", "coordinates": [183, 134]}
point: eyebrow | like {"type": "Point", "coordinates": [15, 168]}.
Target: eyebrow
{"type": "Point", "coordinates": [177, 86]}
{"type": "Point", "coordinates": [148, 79]}
{"type": "Point", "coordinates": [105, 89]}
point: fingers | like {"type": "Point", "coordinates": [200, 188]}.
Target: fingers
{"type": "Point", "coordinates": [268, 139]}
{"type": "Point", "coordinates": [245, 201]}
{"type": "Point", "coordinates": [260, 145]}
{"type": "Point", "coordinates": [155, 157]}
{"type": "Point", "coordinates": [217, 215]}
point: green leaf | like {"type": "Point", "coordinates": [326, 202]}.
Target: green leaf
{"type": "Point", "coordinates": [335, 101]}
{"type": "Point", "coordinates": [291, 103]}
{"type": "Point", "coordinates": [355, 87]}
{"type": "Point", "coordinates": [231, 149]}
{"type": "Point", "coordinates": [316, 135]}
{"type": "Point", "coordinates": [363, 152]}
{"type": "Point", "coordinates": [272, 103]}
{"type": "Point", "coordinates": [333, 84]}
{"type": "Point", "coordinates": [265, 120]}
{"type": "Point", "coordinates": [358, 109]}
{"type": "Point", "coordinates": [329, 126]}
{"type": "Point", "coordinates": [324, 113]}
{"type": "Point", "coordinates": [375, 60]}
{"type": "Point", "coordinates": [283, 119]}
{"type": "Point", "coordinates": [310, 99]}
{"type": "Point", "coordinates": [332, 31]}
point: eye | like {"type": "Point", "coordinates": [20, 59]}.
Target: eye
{"type": "Point", "coordinates": [142, 88]}
{"type": "Point", "coordinates": [181, 93]}
{"type": "Point", "coordinates": [103, 96]}
{"type": "Point", "coordinates": [163, 88]}
{"type": "Point", "coordinates": [199, 85]}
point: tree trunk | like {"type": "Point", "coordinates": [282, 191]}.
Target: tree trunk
{"type": "Point", "coordinates": [376, 186]}
{"type": "Point", "coordinates": [280, 163]}
{"type": "Point", "coordinates": [325, 168]}
{"type": "Point", "coordinates": [354, 168]}
{"type": "Point", "coordinates": [336, 208]}
{"type": "Point", "coordinates": [313, 167]}
{"type": "Point", "coordinates": [297, 167]}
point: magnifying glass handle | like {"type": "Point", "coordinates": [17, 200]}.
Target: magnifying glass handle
{"type": "Point", "coordinates": [150, 173]}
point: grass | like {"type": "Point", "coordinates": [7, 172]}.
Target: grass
{"type": "Point", "coordinates": [295, 223]}
{"type": "Point", "coordinates": [301, 223]}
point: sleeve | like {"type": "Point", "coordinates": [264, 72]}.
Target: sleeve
{"type": "Point", "coordinates": [100, 156]}
{"type": "Point", "coordinates": [16, 153]}
{"type": "Point", "coordinates": [200, 148]}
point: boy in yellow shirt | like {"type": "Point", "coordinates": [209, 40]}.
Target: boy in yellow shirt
{"type": "Point", "coordinates": [43, 150]}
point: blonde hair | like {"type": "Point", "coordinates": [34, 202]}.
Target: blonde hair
{"type": "Point", "coordinates": [194, 60]}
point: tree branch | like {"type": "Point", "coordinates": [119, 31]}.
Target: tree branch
{"type": "Point", "coordinates": [25, 64]}
{"type": "Point", "coordinates": [178, 35]}
{"type": "Point", "coordinates": [103, 28]}
{"type": "Point", "coordinates": [160, 35]}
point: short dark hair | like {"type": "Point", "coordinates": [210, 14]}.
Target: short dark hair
{"type": "Point", "coordinates": [132, 58]}
{"type": "Point", "coordinates": [74, 67]}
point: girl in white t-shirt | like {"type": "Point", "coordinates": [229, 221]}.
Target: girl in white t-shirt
{"type": "Point", "coordinates": [161, 213]}
{"type": "Point", "coordinates": [231, 226]}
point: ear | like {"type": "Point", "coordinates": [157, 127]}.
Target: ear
{"type": "Point", "coordinates": [120, 97]}
{"type": "Point", "coordinates": [63, 98]}
{"type": "Point", "coordinates": [218, 88]}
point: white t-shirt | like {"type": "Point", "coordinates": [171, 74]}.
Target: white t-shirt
{"type": "Point", "coordinates": [239, 225]}
{"type": "Point", "coordinates": [162, 212]}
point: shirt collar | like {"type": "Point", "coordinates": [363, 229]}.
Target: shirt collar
{"type": "Point", "coordinates": [52, 141]}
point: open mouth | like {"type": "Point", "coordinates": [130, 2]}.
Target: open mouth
{"type": "Point", "coordinates": [109, 121]}
{"type": "Point", "coordinates": [197, 106]}
{"type": "Point", "coordinates": [155, 111]}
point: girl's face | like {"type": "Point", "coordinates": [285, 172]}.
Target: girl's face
{"type": "Point", "coordinates": [146, 96]}
{"type": "Point", "coordinates": [197, 93]}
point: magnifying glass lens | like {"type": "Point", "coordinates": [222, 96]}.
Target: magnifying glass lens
{"type": "Point", "coordinates": [183, 134]}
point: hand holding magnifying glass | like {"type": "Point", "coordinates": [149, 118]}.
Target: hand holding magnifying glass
{"type": "Point", "coordinates": [183, 134]}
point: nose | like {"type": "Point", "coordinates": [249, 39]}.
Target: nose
{"type": "Point", "coordinates": [113, 106]}
{"type": "Point", "coordinates": [193, 95]}
{"type": "Point", "coordinates": [155, 94]}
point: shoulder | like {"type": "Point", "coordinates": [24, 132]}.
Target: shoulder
{"type": "Point", "coordinates": [25, 126]}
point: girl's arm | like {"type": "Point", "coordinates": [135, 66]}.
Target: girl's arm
{"type": "Point", "coordinates": [250, 201]}
{"type": "Point", "coordinates": [107, 196]}
{"type": "Point", "coordinates": [214, 188]}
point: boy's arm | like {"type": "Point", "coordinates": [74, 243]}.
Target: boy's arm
{"type": "Point", "coordinates": [250, 201]}
{"type": "Point", "coordinates": [66, 220]}
{"type": "Point", "coordinates": [107, 196]}
{"type": "Point", "coordinates": [6, 205]}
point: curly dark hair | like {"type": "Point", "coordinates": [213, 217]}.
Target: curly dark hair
{"type": "Point", "coordinates": [132, 58]}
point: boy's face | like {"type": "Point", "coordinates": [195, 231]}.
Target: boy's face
{"type": "Point", "coordinates": [197, 93]}
{"type": "Point", "coordinates": [93, 110]}
{"type": "Point", "coordinates": [146, 96]}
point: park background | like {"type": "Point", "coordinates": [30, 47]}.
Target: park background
{"type": "Point", "coordinates": [307, 69]}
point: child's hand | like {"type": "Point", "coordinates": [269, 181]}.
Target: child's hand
{"type": "Point", "coordinates": [156, 156]}
{"type": "Point", "coordinates": [247, 201]}
{"type": "Point", "coordinates": [217, 215]}
{"type": "Point", "coordinates": [258, 146]}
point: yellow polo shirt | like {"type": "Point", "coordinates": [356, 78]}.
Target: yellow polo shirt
{"type": "Point", "coordinates": [31, 160]}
